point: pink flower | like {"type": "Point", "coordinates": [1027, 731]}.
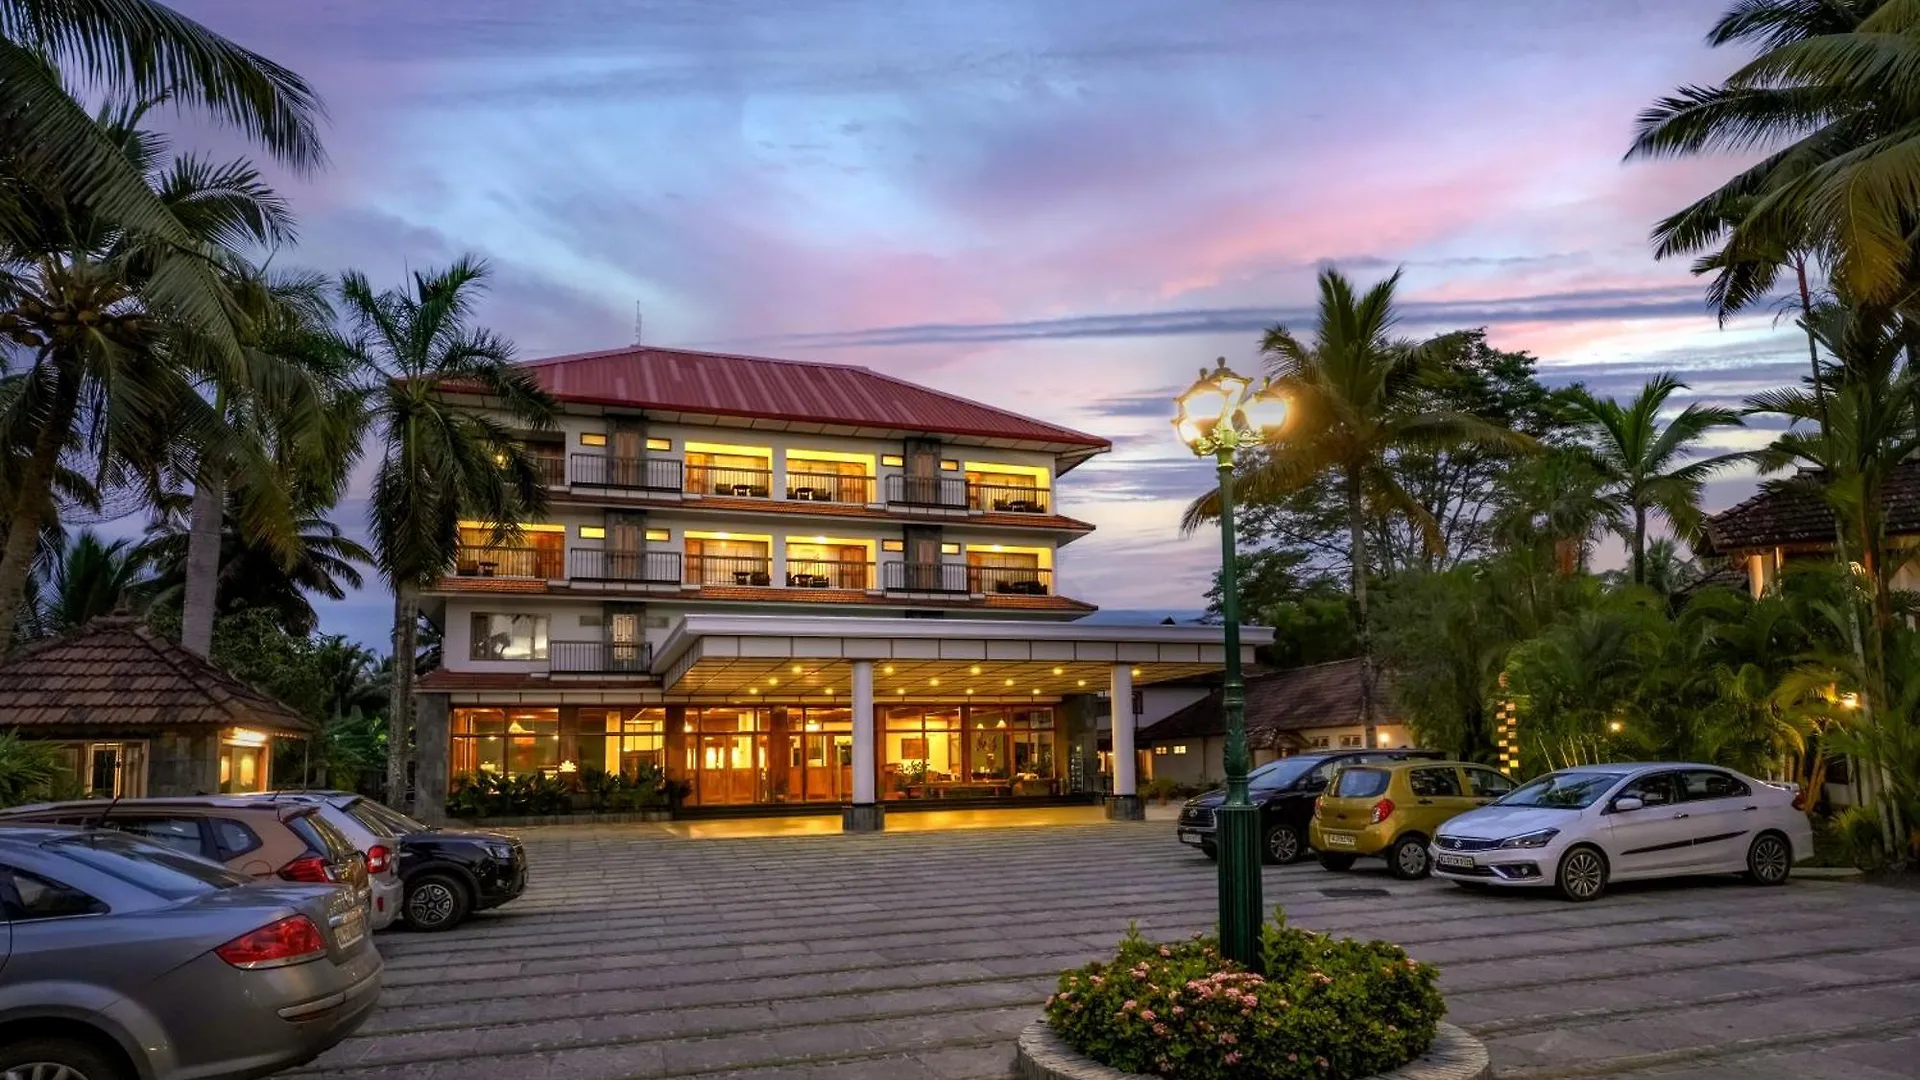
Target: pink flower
{"type": "Point", "coordinates": [1147, 1015]}
{"type": "Point", "coordinates": [1160, 1030]}
{"type": "Point", "coordinates": [1130, 1005]}
{"type": "Point", "coordinates": [1164, 951]}
{"type": "Point", "coordinates": [1233, 1057]}
{"type": "Point", "coordinates": [1320, 1061]}
{"type": "Point", "coordinates": [1293, 1057]}
{"type": "Point", "coordinates": [1178, 1011]}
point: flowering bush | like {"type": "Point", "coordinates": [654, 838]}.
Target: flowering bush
{"type": "Point", "coordinates": [1326, 1009]}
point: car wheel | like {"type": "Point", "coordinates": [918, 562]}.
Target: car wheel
{"type": "Point", "coordinates": [1283, 844]}
{"type": "Point", "coordinates": [1769, 859]}
{"type": "Point", "coordinates": [1407, 859]}
{"type": "Point", "coordinates": [435, 902]}
{"type": "Point", "coordinates": [1336, 862]}
{"type": "Point", "coordinates": [59, 1059]}
{"type": "Point", "coordinates": [1583, 874]}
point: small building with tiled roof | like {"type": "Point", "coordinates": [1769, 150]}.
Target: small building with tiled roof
{"type": "Point", "coordinates": [138, 715]}
{"type": "Point", "coordinates": [1290, 711]}
{"type": "Point", "coordinates": [1788, 519]}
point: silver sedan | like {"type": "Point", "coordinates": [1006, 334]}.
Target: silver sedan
{"type": "Point", "coordinates": [123, 960]}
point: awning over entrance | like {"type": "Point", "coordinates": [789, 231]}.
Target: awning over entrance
{"type": "Point", "coordinates": [802, 658]}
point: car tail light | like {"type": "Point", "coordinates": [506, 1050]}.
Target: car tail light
{"type": "Point", "coordinates": [1318, 800]}
{"type": "Point", "coordinates": [308, 868]}
{"type": "Point", "coordinates": [292, 940]}
{"type": "Point", "coordinates": [379, 857]}
{"type": "Point", "coordinates": [1382, 810]}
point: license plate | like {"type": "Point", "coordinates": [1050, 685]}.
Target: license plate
{"type": "Point", "coordinates": [1188, 836]}
{"type": "Point", "coordinates": [350, 929]}
{"type": "Point", "coordinates": [1461, 862]}
{"type": "Point", "coordinates": [1337, 839]}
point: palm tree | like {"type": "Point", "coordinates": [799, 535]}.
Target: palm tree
{"type": "Point", "coordinates": [1353, 399]}
{"type": "Point", "coordinates": [1642, 464]}
{"type": "Point", "coordinates": [255, 571]}
{"type": "Point", "coordinates": [113, 374]}
{"type": "Point", "coordinates": [1837, 182]}
{"type": "Point", "coordinates": [92, 578]}
{"type": "Point", "coordinates": [142, 50]}
{"type": "Point", "coordinates": [288, 460]}
{"type": "Point", "coordinates": [350, 674]}
{"type": "Point", "coordinates": [442, 460]}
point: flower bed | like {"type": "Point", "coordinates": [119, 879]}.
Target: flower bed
{"type": "Point", "coordinates": [1328, 1009]}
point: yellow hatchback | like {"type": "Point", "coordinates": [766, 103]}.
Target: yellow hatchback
{"type": "Point", "coordinates": [1392, 809]}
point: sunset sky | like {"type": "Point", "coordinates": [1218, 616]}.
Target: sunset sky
{"type": "Point", "coordinates": [1063, 208]}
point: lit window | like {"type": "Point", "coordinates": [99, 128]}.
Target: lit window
{"type": "Point", "coordinates": [593, 438]}
{"type": "Point", "coordinates": [949, 549]}
{"type": "Point", "coordinates": [1179, 748]}
{"type": "Point", "coordinates": [509, 637]}
{"type": "Point", "coordinates": [1350, 742]}
{"type": "Point", "coordinates": [658, 536]}
{"type": "Point", "coordinates": [949, 466]}
{"type": "Point", "coordinates": [592, 532]}
{"type": "Point", "coordinates": [659, 444]}
{"type": "Point", "coordinates": [895, 460]}
{"type": "Point", "coordinates": [893, 545]}
{"type": "Point", "coordinates": [1160, 751]}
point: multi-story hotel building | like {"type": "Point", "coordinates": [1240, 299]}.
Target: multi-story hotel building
{"type": "Point", "coordinates": [785, 583]}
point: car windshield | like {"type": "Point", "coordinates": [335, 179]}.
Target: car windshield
{"type": "Point", "coordinates": [164, 872]}
{"type": "Point", "coordinates": [1562, 791]}
{"type": "Point", "coordinates": [1283, 773]}
{"type": "Point", "coordinates": [384, 819]}
{"type": "Point", "coordinates": [1361, 783]}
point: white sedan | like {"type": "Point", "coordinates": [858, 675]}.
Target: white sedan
{"type": "Point", "coordinates": [1579, 829]}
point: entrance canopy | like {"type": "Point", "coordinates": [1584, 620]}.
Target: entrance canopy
{"type": "Point", "coordinates": [798, 657]}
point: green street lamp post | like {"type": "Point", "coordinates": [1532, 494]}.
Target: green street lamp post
{"type": "Point", "coordinates": [1217, 415]}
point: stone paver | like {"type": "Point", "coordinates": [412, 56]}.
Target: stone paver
{"type": "Point", "coordinates": [637, 953]}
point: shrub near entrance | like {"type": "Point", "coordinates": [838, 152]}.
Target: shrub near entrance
{"type": "Point", "coordinates": [1329, 1009]}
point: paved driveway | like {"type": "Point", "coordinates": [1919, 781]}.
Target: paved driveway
{"type": "Point", "coordinates": [637, 953]}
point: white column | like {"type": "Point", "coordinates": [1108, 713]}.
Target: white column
{"type": "Point", "coordinates": [863, 745]}
{"type": "Point", "coordinates": [1126, 779]}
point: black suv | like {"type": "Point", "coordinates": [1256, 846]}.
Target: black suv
{"type": "Point", "coordinates": [447, 874]}
{"type": "Point", "coordinates": [1284, 790]}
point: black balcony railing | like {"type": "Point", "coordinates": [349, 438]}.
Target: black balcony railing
{"type": "Point", "coordinates": [729, 570]}
{"type": "Point", "coordinates": [1017, 580]}
{"type": "Point", "coordinates": [719, 480]}
{"type": "Point", "coordinates": [828, 574]}
{"type": "Point", "coordinates": [1009, 498]}
{"type": "Point", "coordinates": [553, 469]}
{"type": "Point", "coordinates": [924, 577]}
{"type": "Point", "coordinates": [941, 491]}
{"type": "Point", "coordinates": [829, 487]}
{"type": "Point", "coordinates": [645, 567]}
{"type": "Point", "coordinates": [508, 562]}
{"type": "Point", "coordinates": [599, 656]}
{"type": "Point", "coordinates": [633, 473]}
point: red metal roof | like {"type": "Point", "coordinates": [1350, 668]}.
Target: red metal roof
{"type": "Point", "coordinates": [722, 384]}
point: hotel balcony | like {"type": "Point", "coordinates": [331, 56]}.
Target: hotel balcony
{"type": "Point", "coordinates": [955, 493]}
{"type": "Point", "coordinates": [540, 563]}
{"type": "Point", "coordinates": [627, 473]}
{"type": "Point", "coordinates": [1009, 581]}
{"type": "Point", "coordinates": [642, 567]}
{"type": "Point", "coordinates": [599, 657]}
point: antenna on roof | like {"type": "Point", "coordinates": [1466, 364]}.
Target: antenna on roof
{"type": "Point", "coordinates": [638, 322]}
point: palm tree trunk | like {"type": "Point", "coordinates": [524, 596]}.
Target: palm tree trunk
{"type": "Point", "coordinates": [1357, 536]}
{"type": "Point", "coordinates": [30, 502]}
{"type": "Point", "coordinates": [406, 617]}
{"type": "Point", "coordinates": [200, 594]}
{"type": "Point", "coordinates": [1639, 545]}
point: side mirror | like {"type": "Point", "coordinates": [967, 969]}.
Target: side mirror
{"type": "Point", "coordinates": [1627, 802]}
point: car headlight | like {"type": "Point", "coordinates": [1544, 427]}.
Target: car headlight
{"type": "Point", "coordinates": [501, 852]}
{"type": "Point", "coordinates": [1531, 840]}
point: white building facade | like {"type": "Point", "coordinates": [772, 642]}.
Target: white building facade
{"type": "Point", "coordinates": [781, 584]}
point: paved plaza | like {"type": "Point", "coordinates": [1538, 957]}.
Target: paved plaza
{"type": "Point", "coordinates": [639, 951]}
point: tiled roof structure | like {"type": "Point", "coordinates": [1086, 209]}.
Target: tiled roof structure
{"type": "Point", "coordinates": [115, 673]}
{"type": "Point", "coordinates": [1280, 702]}
{"type": "Point", "coordinates": [1788, 513]}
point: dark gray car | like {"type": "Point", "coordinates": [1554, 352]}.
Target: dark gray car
{"type": "Point", "coordinates": [123, 960]}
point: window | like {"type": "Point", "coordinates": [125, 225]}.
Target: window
{"type": "Point", "coordinates": [635, 740]}
{"type": "Point", "coordinates": [1437, 783]}
{"type": "Point", "coordinates": [1180, 748]}
{"type": "Point", "coordinates": [1317, 742]}
{"type": "Point", "coordinates": [659, 444]}
{"type": "Point", "coordinates": [509, 637]}
{"type": "Point", "coordinates": [949, 549]}
{"type": "Point", "coordinates": [593, 438]}
{"type": "Point", "coordinates": [949, 466]}
{"type": "Point", "coordinates": [892, 460]}
{"type": "Point", "coordinates": [505, 743]}
{"type": "Point", "coordinates": [1697, 785]}
{"type": "Point", "coordinates": [1033, 744]}
{"type": "Point", "coordinates": [593, 532]}
{"type": "Point", "coordinates": [658, 536]}
{"type": "Point", "coordinates": [1487, 784]}
{"type": "Point", "coordinates": [893, 545]}
{"type": "Point", "coordinates": [1654, 790]}
{"type": "Point", "coordinates": [1351, 742]}
{"type": "Point", "coordinates": [30, 896]}
{"type": "Point", "coordinates": [234, 838]}
{"type": "Point", "coordinates": [1362, 783]}
{"type": "Point", "coordinates": [163, 872]}
{"type": "Point", "coordinates": [1160, 751]}
{"type": "Point", "coordinates": [321, 837]}
{"type": "Point", "coordinates": [922, 750]}
{"type": "Point", "coordinates": [180, 834]}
